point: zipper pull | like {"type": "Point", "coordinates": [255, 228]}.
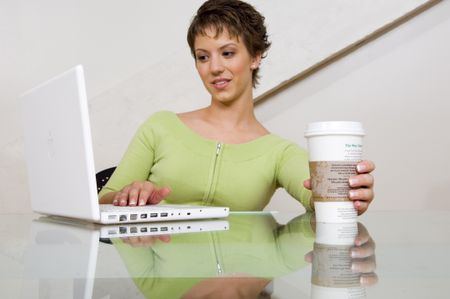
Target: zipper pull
{"type": "Point", "coordinates": [219, 269]}
{"type": "Point", "coordinates": [218, 147]}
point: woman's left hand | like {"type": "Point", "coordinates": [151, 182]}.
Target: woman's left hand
{"type": "Point", "coordinates": [361, 191]}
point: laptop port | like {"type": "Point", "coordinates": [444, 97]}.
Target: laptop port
{"type": "Point", "coordinates": [112, 217]}
{"type": "Point", "coordinates": [123, 218]}
{"type": "Point", "coordinates": [143, 229]}
{"type": "Point", "coordinates": [133, 216]}
{"type": "Point", "coordinates": [133, 230]}
{"type": "Point", "coordinates": [143, 216]}
{"type": "Point", "coordinates": [164, 214]}
{"type": "Point", "coordinates": [153, 229]}
{"type": "Point", "coordinates": [122, 230]}
{"type": "Point", "coordinates": [164, 228]}
{"type": "Point", "coordinates": [153, 215]}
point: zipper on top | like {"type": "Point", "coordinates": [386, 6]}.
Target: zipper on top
{"type": "Point", "coordinates": [213, 174]}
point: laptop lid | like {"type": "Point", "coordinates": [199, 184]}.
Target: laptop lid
{"type": "Point", "coordinates": [58, 147]}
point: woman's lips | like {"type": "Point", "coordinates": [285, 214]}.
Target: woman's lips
{"type": "Point", "coordinates": [221, 83]}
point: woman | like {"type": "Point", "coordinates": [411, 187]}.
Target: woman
{"type": "Point", "coordinates": [221, 154]}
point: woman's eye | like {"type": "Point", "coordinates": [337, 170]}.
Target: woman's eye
{"type": "Point", "coordinates": [202, 58]}
{"type": "Point", "coordinates": [228, 53]}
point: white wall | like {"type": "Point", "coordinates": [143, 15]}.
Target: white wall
{"type": "Point", "coordinates": [399, 87]}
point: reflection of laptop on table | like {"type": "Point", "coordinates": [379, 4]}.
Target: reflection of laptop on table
{"type": "Point", "coordinates": [61, 249]}
{"type": "Point", "coordinates": [61, 162]}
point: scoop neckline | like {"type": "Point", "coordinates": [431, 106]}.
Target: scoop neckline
{"type": "Point", "coordinates": [191, 132]}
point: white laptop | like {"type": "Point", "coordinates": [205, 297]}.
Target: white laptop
{"type": "Point", "coordinates": [60, 159]}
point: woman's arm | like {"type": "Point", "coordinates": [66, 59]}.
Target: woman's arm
{"type": "Point", "coordinates": [129, 183]}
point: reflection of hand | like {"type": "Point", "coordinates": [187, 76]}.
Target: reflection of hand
{"type": "Point", "coordinates": [363, 257]}
{"type": "Point", "coordinates": [145, 241]}
{"type": "Point", "coordinates": [362, 186]}
{"type": "Point", "coordinates": [140, 193]}
{"type": "Point", "coordinates": [229, 287]}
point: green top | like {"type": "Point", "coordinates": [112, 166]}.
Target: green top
{"type": "Point", "coordinates": [206, 172]}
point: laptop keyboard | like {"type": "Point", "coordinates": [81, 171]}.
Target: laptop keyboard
{"type": "Point", "coordinates": [112, 208]}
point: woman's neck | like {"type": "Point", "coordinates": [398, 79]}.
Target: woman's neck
{"type": "Point", "coordinates": [237, 114]}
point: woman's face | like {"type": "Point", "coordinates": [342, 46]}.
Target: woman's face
{"type": "Point", "coordinates": [225, 66]}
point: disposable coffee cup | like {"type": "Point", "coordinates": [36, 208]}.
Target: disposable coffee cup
{"type": "Point", "coordinates": [335, 147]}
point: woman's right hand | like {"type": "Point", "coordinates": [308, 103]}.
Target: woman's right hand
{"type": "Point", "coordinates": [145, 241]}
{"type": "Point", "coordinates": [140, 193]}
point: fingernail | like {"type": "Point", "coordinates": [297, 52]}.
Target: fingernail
{"type": "Point", "coordinates": [352, 182]}
{"type": "Point", "coordinates": [355, 268]}
{"type": "Point", "coordinates": [354, 253]}
{"type": "Point", "coordinates": [123, 202]}
{"type": "Point", "coordinates": [353, 193]}
{"type": "Point", "coordinates": [364, 280]}
{"type": "Point", "coordinates": [132, 203]}
{"type": "Point", "coordinates": [115, 201]}
{"type": "Point", "coordinates": [141, 202]}
{"type": "Point", "coordinates": [360, 167]}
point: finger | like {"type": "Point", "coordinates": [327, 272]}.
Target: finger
{"type": "Point", "coordinates": [143, 197]}
{"type": "Point", "coordinates": [159, 194]}
{"type": "Point", "coordinates": [368, 279]}
{"type": "Point", "coordinates": [309, 257]}
{"type": "Point", "coordinates": [116, 199]}
{"type": "Point", "coordinates": [365, 166]}
{"type": "Point", "coordinates": [147, 241]}
{"type": "Point", "coordinates": [360, 206]}
{"type": "Point", "coordinates": [133, 196]}
{"type": "Point", "coordinates": [362, 194]}
{"type": "Point", "coordinates": [366, 265]}
{"type": "Point", "coordinates": [132, 241]}
{"type": "Point", "coordinates": [363, 235]}
{"type": "Point", "coordinates": [363, 251]}
{"type": "Point", "coordinates": [164, 192]}
{"type": "Point", "coordinates": [361, 180]}
{"type": "Point", "coordinates": [122, 198]}
{"type": "Point", "coordinates": [307, 184]}
{"type": "Point", "coordinates": [164, 238]}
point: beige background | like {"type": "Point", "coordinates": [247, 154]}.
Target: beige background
{"type": "Point", "coordinates": [396, 85]}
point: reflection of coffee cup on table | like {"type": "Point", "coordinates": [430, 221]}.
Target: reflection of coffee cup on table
{"type": "Point", "coordinates": [335, 147]}
{"type": "Point", "coordinates": [332, 275]}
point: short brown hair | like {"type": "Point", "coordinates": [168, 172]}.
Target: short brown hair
{"type": "Point", "coordinates": [240, 19]}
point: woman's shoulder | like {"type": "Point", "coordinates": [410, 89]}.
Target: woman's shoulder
{"type": "Point", "coordinates": [286, 146]}
{"type": "Point", "coordinates": [158, 123]}
{"type": "Point", "coordinates": [162, 117]}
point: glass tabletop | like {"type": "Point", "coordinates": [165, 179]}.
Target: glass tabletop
{"type": "Point", "coordinates": [247, 255]}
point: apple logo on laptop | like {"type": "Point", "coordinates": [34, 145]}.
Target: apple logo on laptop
{"type": "Point", "coordinates": [50, 145]}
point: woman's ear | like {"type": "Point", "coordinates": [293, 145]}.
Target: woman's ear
{"type": "Point", "coordinates": [256, 61]}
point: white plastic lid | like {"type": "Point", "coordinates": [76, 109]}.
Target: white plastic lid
{"type": "Point", "coordinates": [334, 128]}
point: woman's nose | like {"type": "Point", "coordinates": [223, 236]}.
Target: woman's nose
{"type": "Point", "coordinates": [216, 65]}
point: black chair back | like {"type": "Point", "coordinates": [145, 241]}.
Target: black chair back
{"type": "Point", "coordinates": [103, 177]}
